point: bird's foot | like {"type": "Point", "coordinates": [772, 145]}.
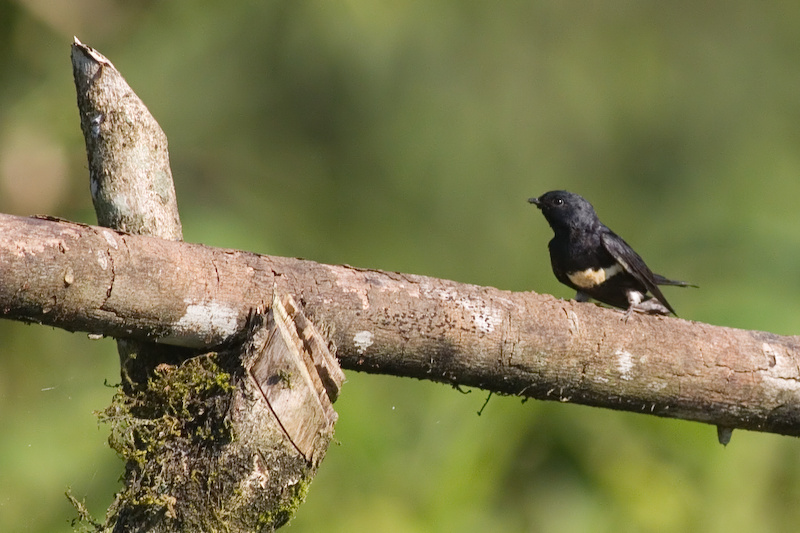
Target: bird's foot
{"type": "Point", "coordinates": [651, 306]}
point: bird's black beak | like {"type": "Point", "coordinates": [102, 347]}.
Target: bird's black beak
{"type": "Point", "coordinates": [535, 201]}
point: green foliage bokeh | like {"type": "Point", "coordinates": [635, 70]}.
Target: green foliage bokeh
{"type": "Point", "coordinates": [407, 136]}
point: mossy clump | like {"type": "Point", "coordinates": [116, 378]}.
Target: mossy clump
{"type": "Point", "coordinates": [184, 404]}
{"type": "Point", "coordinates": [203, 452]}
{"type": "Point", "coordinates": [170, 434]}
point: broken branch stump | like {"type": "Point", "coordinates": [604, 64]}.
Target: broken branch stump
{"type": "Point", "coordinates": [229, 440]}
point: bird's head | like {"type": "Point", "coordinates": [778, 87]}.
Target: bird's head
{"type": "Point", "coordinates": [566, 211]}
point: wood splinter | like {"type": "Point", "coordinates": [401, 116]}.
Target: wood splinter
{"type": "Point", "coordinates": [297, 375]}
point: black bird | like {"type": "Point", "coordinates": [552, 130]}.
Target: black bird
{"type": "Point", "coordinates": [587, 256]}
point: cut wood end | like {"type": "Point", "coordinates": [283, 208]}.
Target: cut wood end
{"type": "Point", "coordinates": [90, 53]}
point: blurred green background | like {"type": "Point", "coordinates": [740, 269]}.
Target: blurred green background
{"type": "Point", "coordinates": [407, 136]}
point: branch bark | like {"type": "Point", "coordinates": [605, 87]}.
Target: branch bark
{"type": "Point", "coordinates": [129, 177]}
{"type": "Point", "coordinates": [129, 172]}
{"type": "Point", "coordinates": [523, 344]}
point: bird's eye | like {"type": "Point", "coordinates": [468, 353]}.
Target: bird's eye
{"type": "Point", "coordinates": [558, 201]}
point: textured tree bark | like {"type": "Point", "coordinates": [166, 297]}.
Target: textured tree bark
{"type": "Point", "coordinates": [129, 177]}
{"type": "Point", "coordinates": [216, 441]}
{"type": "Point", "coordinates": [523, 344]}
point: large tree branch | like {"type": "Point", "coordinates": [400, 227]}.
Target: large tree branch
{"type": "Point", "coordinates": [85, 278]}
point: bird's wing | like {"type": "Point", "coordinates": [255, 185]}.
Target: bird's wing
{"type": "Point", "coordinates": [633, 265]}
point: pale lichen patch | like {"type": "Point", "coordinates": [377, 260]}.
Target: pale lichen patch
{"type": "Point", "coordinates": [210, 320]}
{"type": "Point", "coordinates": [624, 363]}
{"type": "Point", "coordinates": [108, 235]}
{"type": "Point", "coordinates": [102, 259]}
{"type": "Point", "coordinates": [363, 340]}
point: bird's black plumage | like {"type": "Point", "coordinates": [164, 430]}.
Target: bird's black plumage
{"type": "Point", "coordinates": [587, 256]}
